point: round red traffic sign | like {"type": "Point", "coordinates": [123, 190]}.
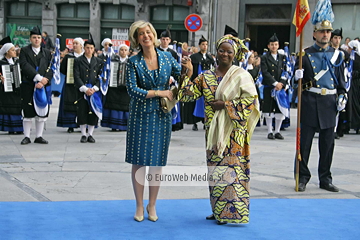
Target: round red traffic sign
{"type": "Point", "coordinates": [193, 22]}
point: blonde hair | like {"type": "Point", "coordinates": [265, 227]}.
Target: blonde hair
{"type": "Point", "coordinates": [133, 33]}
{"type": "Point", "coordinates": [183, 46]}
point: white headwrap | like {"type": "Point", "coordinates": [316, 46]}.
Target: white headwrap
{"type": "Point", "coordinates": [356, 44]}
{"type": "Point", "coordinates": [5, 48]}
{"type": "Point", "coordinates": [105, 41]}
{"type": "Point", "coordinates": [123, 45]}
{"type": "Point", "coordinates": [79, 40]}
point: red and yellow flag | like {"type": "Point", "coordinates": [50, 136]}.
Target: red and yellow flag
{"type": "Point", "coordinates": [301, 15]}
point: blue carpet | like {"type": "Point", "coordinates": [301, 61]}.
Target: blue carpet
{"type": "Point", "coordinates": [180, 219]}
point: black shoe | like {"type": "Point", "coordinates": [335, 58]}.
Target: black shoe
{"type": "Point", "coordinates": [113, 130]}
{"type": "Point", "coordinates": [91, 139]}
{"type": "Point", "coordinates": [279, 136]}
{"type": "Point", "coordinates": [195, 128]}
{"type": "Point", "coordinates": [70, 130]}
{"type": "Point", "coordinates": [220, 222]}
{"type": "Point", "coordinates": [336, 136]}
{"type": "Point", "coordinates": [40, 140]}
{"type": "Point", "coordinates": [83, 139]}
{"type": "Point", "coordinates": [210, 217]}
{"type": "Point", "coordinates": [11, 133]}
{"type": "Point", "coordinates": [329, 187]}
{"type": "Point", "coordinates": [271, 136]}
{"type": "Point", "coordinates": [26, 140]}
{"type": "Point", "coordinates": [301, 187]}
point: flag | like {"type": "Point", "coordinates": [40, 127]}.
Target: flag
{"type": "Point", "coordinates": [301, 15]}
{"type": "Point", "coordinates": [55, 66]}
{"type": "Point", "coordinates": [105, 73]}
{"type": "Point", "coordinates": [349, 70]}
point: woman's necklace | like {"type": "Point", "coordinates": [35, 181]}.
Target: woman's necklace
{"type": "Point", "coordinates": [149, 61]}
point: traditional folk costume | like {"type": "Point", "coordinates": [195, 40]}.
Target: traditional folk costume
{"type": "Point", "coordinates": [86, 75]}
{"type": "Point", "coordinates": [194, 111]}
{"type": "Point", "coordinates": [272, 66]}
{"type": "Point", "coordinates": [149, 128]}
{"type": "Point", "coordinates": [35, 64]}
{"type": "Point", "coordinates": [354, 92]}
{"type": "Point", "coordinates": [228, 133]}
{"type": "Point", "coordinates": [343, 116]}
{"type": "Point", "coordinates": [116, 100]}
{"type": "Point", "coordinates": [67, 108]}
{"type": "Point", "coordinates": [324, 89]}
{"type": "Point", "coordinates": [10, 102]}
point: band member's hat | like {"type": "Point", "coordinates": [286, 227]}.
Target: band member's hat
{"type": "Point", "coordinates": [165, 33]}
{"type": "Point", "coordinates": [35, 31]}
{"type": "Point", "coordinates": [90, 41]}
{"type": "Point", "coordinates": [230, 30]}
{"type": "Point", "coordinates": [202, 39]}
{"type": "Point", "coordinates": [5, 40]}
{"type": "Point", "coordinates": [273, 38]}
{"type": "Point", "coordinates": [337, 32]}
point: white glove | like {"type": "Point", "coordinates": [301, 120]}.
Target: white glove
{"type": "Point", "coordinates": [299, 74]}
{"type": "Point", "coordinates": [341, 102]}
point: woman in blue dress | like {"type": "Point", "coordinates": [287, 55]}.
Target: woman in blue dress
{"type": "Point", "coordinates": [149, 128]}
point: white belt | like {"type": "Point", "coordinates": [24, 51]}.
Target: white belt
{"type": "Point", "coordinates": [322, 91]}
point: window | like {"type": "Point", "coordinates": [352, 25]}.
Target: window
{"type": "Point", "coordinates": [161, 13]}
{"type": "Point", "coordinates": [180, 13]}
{"type": "Point", "coordinates": [118, 12]}
{"type": "Point", "coordinates": [74, 11]}
{"type": "Point", "coordinates": [24, 9]}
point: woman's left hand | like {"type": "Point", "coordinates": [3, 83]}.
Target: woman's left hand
{"type": "Point", "coordinates": [217, 104]}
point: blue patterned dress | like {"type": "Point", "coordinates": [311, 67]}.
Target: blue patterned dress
{"type": "Point", "coordinates": [149, 128]}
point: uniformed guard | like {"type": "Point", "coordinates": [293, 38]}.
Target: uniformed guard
{"type": "Point", "coordinates": [323, 95]}
{"type": "Point", "coordinates": [87, 69]}
{"type": "Point", "coordinates": [35, 63]}
{"type": "Point", "coordinates": [272, 65]}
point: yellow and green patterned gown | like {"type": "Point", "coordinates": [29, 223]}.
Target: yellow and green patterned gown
{"type": "Point", "coordinates": [230, 172]}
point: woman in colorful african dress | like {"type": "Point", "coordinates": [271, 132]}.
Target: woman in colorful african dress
{"type": "Point", "coordinates": [231, 114]}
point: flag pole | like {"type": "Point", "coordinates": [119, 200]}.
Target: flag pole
{"type": "Point", "coordinates": [298, 128]}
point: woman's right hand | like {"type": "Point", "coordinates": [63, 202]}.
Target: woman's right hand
{"type": "Point", "coordinates": [166, 93]}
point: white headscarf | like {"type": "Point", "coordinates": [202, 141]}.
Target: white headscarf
{"type": "Point", "coordinates": [356, 44]}
{"type": "Point", "coordinates": [105, 41]}
{"type": "Point", "coordinates": [5, 48]}
{"type": "Point", "coordinates": [79, 40]}
{"type": "Point", "coordinates": [123, 45]}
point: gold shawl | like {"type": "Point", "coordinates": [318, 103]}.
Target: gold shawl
{"type": "Point", "coordinates": [237, 83]}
